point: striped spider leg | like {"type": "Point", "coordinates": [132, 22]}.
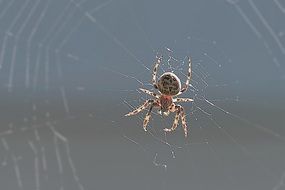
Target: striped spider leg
{"type": "Point", "coordinates": [154, 71]}
{"type": "Point", "coordinates": [150, 93]}
{"type": "Point", "coordinates": [188, 76]}
{"type": "Point", "coordinates": [146, 104]}
{"type": "Point", "coordinates": [180, 113]}
{"type": "Point", "coordinates": [183, 100]}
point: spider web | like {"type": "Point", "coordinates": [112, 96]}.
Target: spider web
{"type": "Point", "coordinates": [71, 69]}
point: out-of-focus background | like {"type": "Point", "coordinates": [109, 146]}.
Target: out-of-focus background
{"type": "Point", "coordinates": [71, 69]}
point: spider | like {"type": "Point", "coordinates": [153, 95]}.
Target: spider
{"type": "Point", "coordinates": [169, 86]}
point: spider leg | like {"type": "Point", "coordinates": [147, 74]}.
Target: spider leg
{"type": "Point", "coordinates": [147, 117]}
{"type": "Point", "coordinates": [149, 93]}
{"type": "Point", "coordinates": [140, 108]}
{"type": "Point", "coordinates": [176, 119]}
{"type": "Point", "coordinates": [172, 108]}
{"type": "Point", "coordinates": [188, 76]}
{"type": "Point", "coordinates": [182, 100]}
{"type": "Point", "coordinates": [183, 120]}
{"type": "Point", "coordinates": [154, 71]}
{"type": "Point", "coordinates": [180, 113]}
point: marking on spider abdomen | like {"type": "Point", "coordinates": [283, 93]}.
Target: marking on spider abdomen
{"type": "Point", "coordinates": [169, 84]}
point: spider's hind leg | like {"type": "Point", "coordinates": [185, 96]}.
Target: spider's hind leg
{"type": "Point", "coordinates": [154, 71]}
{"type": "Point", "coordinates": [188, 76]}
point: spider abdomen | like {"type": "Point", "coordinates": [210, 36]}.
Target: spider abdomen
{"type": "Point", "coordinates": [169, 84]}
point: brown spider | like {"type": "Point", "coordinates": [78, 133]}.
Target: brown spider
{"type": "Point", "coordinates": [168, 85]}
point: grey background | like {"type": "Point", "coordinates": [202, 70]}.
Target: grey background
{"type": "Point", "coordinates": [70, 70]}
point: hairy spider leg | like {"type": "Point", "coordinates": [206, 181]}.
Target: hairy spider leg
{"type": "Point", "coordinates": [140, 108]}
{"type": "Point", "coordinates": [183, 121]}
{"type": "Point", "coordinates": [149, 93]}
{"type": "Point", "coordinates": [176, 119]}
{"type": "Point", "coordinates": [154, 71]}
{"type": "Point", "coordinates": [188, 76]}
{"type": "Point", "coordinates": [179, 113]}
{"type": "Point", "coordinates": [182, 100]}
{"type": "Point", "coordinates": [147, 117]}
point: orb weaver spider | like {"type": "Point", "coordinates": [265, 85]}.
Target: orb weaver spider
{"type": "Point", "coordinates": [169, 86]}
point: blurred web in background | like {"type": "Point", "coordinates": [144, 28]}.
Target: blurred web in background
{"type": "Point", "coordinates": [35, 60]}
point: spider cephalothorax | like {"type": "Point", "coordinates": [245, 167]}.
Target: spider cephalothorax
{"type": "Point", "coordinates": [168, 85]}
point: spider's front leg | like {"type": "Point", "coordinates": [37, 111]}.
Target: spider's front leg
{"type": "Point", "coordinates": [179, 113]}
{"type": "Point", "coordinates": [183, 121]}
{"type": "Point", "coordinates": [152, 103]}
{"type": "Point", "coordinates": [147, 117]}
{"type": "Point", "coordinates": [140, 108]}
{"type": "Point", "coordinates": [174, 108]}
